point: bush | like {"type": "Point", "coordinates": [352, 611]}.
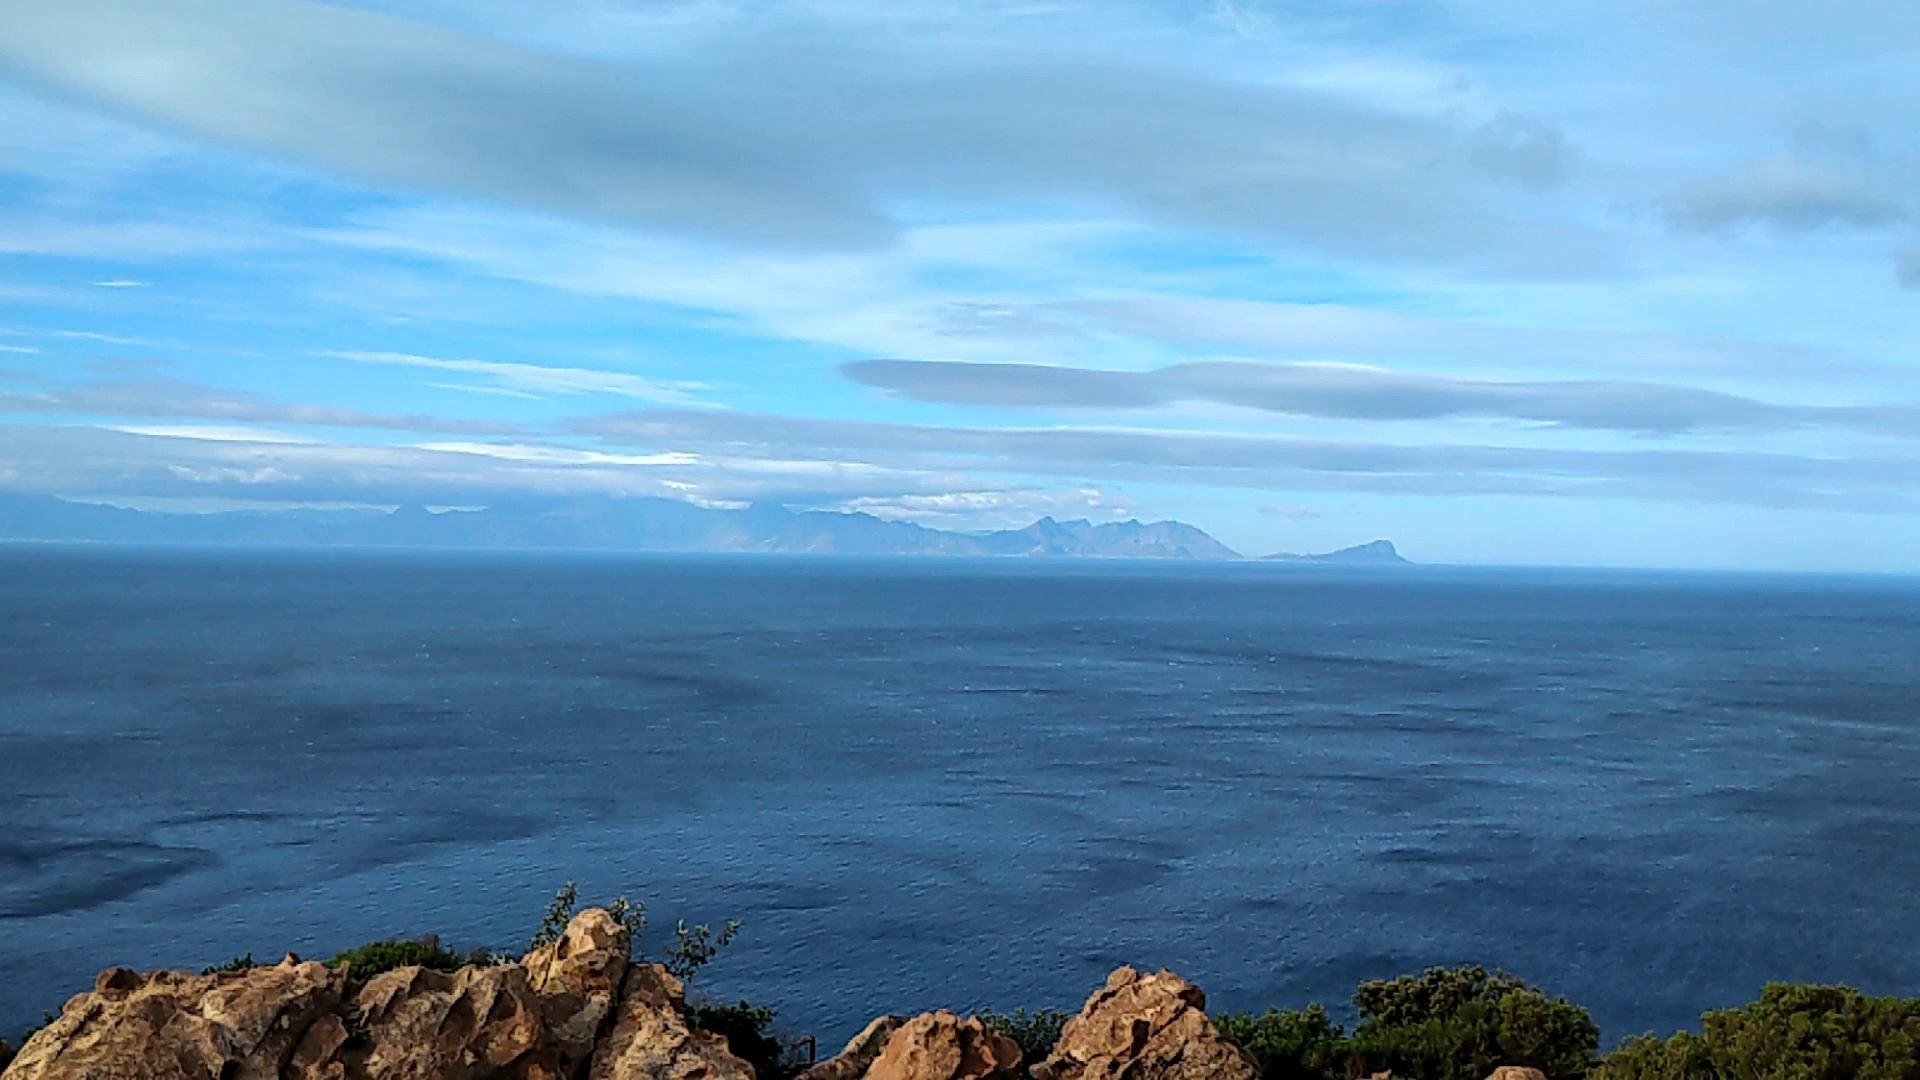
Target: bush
{"type": "Point", "coordinates": [693, 947]}
{"type": "Point", "coordinates": [1034, 1032]}
{"type": "Point", "coordinates": [1794, 1032]}
{"type": "Point", "coordinates": [238, 963]}
{"type": "Point", "coordinates": [746, 1028]}
{"type": "Point", "coordinates": [1298, 1044]}
{"type": "Point", "coordinates": [1461, 1023]}
{"type": "Point", "coordinates": [377, 957]}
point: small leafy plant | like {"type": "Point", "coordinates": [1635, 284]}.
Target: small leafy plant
{"type": "Point", "coordinates": [379, 957]}
{"type": "Point", "coordinates": [1034, 1032]}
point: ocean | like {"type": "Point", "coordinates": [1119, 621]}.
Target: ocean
{"type": "Point", "coordinates": [966, 783]}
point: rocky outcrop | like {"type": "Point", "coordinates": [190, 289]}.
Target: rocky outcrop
{"type": "Point", "coordinates": [1517, 1072]}
{"type": "Point", "coordinates": [578, 978]}
{"type": "Point", "coordinates": [650, 1039]}
{"type": "Point", "coordinates": [6, 1055]}
{"type": "Point", "coordinates": [540, 1019]}
{"type": "Point", "coordinates": [577, 1008]}
{"type": "Point", "coordinates": [942, 1046]}
{"type": "Point", "coordinates": [475, 1022]}
{"type": "Point", "coordinates": [852, 1062]}
{"type": "Point", "coordinates": [1145, 1027]}
{"type": "Point", "coordinates": [237, 1025]}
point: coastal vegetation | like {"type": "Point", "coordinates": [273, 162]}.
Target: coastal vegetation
{"type": "Point", "coordinates": [1457, 1023]}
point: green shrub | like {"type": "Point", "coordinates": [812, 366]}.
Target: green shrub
{"type": "Point", "coordinates": [1298, 1044]}
{"type": "Point", "coordinates": [1461, 1023]}
{"type": "Point", "coordinates": [1034, 1032]}
{"type": "Point", "coordinates": [628, 913]}
{"type": "Point", "coordinates": [692, 948]}
{"type": "Point", "coordinates": [1794, 1032]}
{"type": "Point", "coordinates": [747, 1030]}
{"type": "Point", "coordinates": [377, 957]}
{"type": "Point", "coordinates": [238, 963]}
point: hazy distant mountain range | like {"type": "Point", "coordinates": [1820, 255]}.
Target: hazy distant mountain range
{"type": "Point", "coordinates": [614, 524]}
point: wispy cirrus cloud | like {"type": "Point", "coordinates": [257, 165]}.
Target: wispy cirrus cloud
{"type": "Point", "coordinates": [172, 398]}
{"type": "Point", "coordinates": [216, 433]}
{"type": "Point", "coordinates": [539, 380]}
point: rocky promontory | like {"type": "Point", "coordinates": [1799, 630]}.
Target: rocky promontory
{"type": "Point", "coordinates": [576, 1008]}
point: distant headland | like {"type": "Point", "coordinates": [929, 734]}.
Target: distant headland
{"type": "Point", "coordinates": [606, 523]}
{"type": "Point", "coordinates": [1375, 553]}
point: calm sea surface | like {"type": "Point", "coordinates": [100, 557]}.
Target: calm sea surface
{"type": "Point", "coordinates": [928, 783]}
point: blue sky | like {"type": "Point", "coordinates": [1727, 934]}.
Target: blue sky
{"type": "Point", "coordinates": [1604, 282]}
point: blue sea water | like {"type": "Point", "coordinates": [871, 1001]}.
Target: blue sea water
{"type": "Point", "coordinates": [926, 782]}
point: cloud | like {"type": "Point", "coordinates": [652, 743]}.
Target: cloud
{"type": "Point", "coordinates": [1357, 333]}
{"type": "Point", "coordinates": [182, 462]}
{"type": "Point", "coordinates": [798, 128]}
{"type": "Point", "coordinates": [1792, 194]}
{"type": "Point", "coordinates": [981, 510]}
{"type": "Point", "coordinates": [121, 283]}
{"type": "Point", "coordinates": [1353, 392]}
{"type": "Point", "coordinates": [1523, 149]}
{"type": "Point", "coordinates": [215, 433]}
{"type": "Point", "coordinates": [937, 473]}
{"type": "Point", "coordinates": [105, 339]}
{"type": "Point", "coordinates": [537, 379]}
{"type": "Point", "coordinates": [1274, 463]}
{"type": "Point", "coordinates": [173, 398]}
{"type": "Point", "coordinates": [407, 104]}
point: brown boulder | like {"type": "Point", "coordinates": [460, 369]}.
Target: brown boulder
{"type": "Point", "coordinates": [240, 1025]}
{"type": "Point", "coordinates": [535, 1020]}
{"type": "Point", "coordinates": [852, 1062]}
{"type": "Point", "coordinates": [474, 1022]}
{"type": "Point", "coordinates": [1145, 1027]}
{"type": "Point", "coordinates": [528, 1021]}
{"type": "Point", "coordinates": [941, 1046]}
{"type": "Point", "coordinates": [1517, 1072]}
{"type": "Point", "coordinates": [650, 1039]}
{"type": "Point", "coordinates": [578, 977]}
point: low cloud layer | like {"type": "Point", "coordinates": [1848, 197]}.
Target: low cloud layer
{"type": "Point", "coordinates": [1271, 463]}
{"type": "Point", "coordinates": [1351, 392]}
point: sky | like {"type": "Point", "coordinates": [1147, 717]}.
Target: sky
{"type": "Point", "coordinates": [1592, 282]}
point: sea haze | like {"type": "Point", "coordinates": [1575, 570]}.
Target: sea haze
{"type": "Point", "coordinates": [965, 782]}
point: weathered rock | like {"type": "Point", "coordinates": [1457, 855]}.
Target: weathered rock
{"type": "Point", "coordinates": [1145, 1027]}
{"type": "Point", "coordinates": [1517, 1072]}
{"type": "Point", "coordinates": [852, 1062]}
{"type": "Point", "coordinates": [535, 1020]}
{"type": "Point", "coordinates": [6, 1055]}
{"type": "Point", "coordinates": [578, 978]}
{"type": "Point", "coordinates": [474, 1022]}
{"type": "Point", "coordinates": [238, 1025]}
{"type": "Point", "coordinates": [650, 1039]}
{"type": "Point", "coordinates": [942, 1046]}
